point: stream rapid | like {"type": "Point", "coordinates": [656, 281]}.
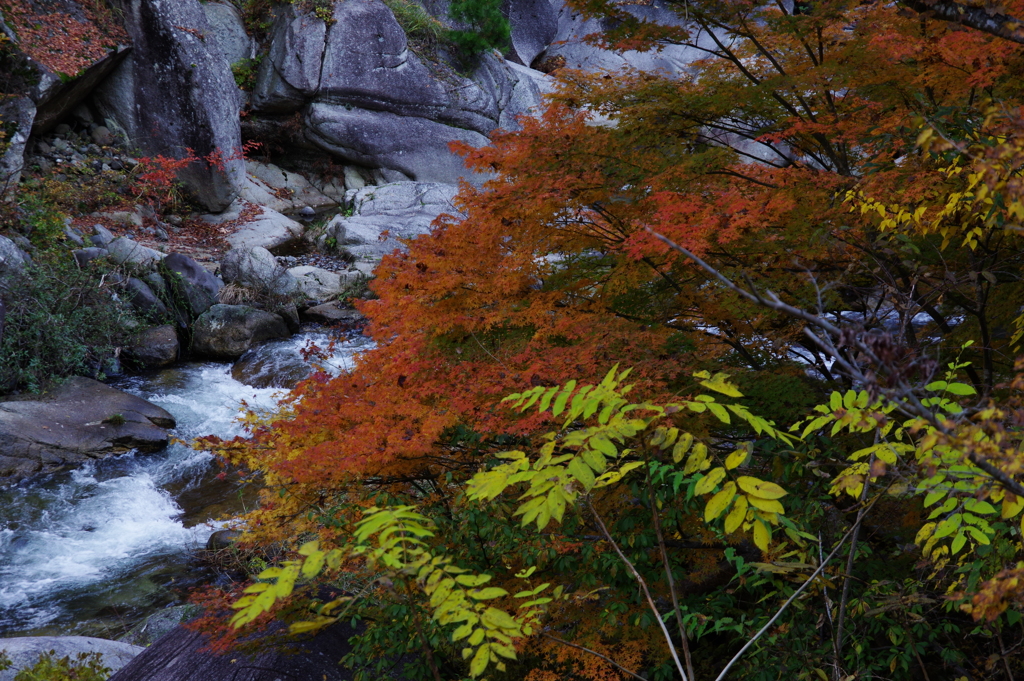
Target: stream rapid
{"type": "Point", "coordinates": [93, 550]}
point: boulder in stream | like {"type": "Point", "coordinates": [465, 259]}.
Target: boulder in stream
{"type": "Point", "coordinates": [155, 347]}
{"type": "Point", "coordinates": [227, 331]}
{"type": "Point", "coordinates": [79, 420]}
{"type": "Point", "coordinates": [24, 651]}
{"type": "Point", "coordinates": [180, 656]}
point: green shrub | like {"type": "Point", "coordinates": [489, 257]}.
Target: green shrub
{"type": "Point", "coordinates": [61, 321]}
{"type": "Point", "coordinates": [417, 23]}
{"type": "Point", "coordinates": [488, 27]}
{"type": "Point", "coordinates": [84, 667]}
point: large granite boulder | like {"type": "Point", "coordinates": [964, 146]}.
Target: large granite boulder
{"type": "Point", "coordinates": [141, 296]}
{"type": "Point", "coordinates": [227, 331]}
{"type": "Point", "coordinates": [124, 251]}
{"type": "Point", "coordinates": [18, 113]}
{"type": "Point", "coordinates": [403, 209]}
{"type": "Point", "coordinates": [154, 348]}
{"type": "Point", "coordinates": [267, 229]}
{"type": "Point", "coordinates": [192, 287]}
{"type": "Point", "coordinates": [372, 101]}
{"type": "Point", "coordinates": [258, 269]}
{"type": "Point", "coordinates": [24, 651]}
{"type": "Point", "coordinates": [534, 25]}
{"type": "Point", "coordinates": [284, 191]}
{"type": "Point", "coordinates": [13, 260]}
{"type": "Point", "coordinates": [184, 96]}
{"type": "Point", "coordinates": [79, 420]}
{"type": "Point", "coordinates": [316, 283]}
{"type": "Point", "coordinates": [183, 654]}
{"type": "Point", "coordinates": [227, 32]}
{"type": "Point", "coordinates": [569, 45]}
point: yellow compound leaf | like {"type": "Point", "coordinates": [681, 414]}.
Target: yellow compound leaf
{"type": "Point", "coordinates": [762, 535]}
{"type": "Point", "coordinates": [736, 459]}
{"type": "Point", "coordinates": [760, 488]}
{"type": "Point", "coordinates": [720, 501]}
{"type": "Point", "coordinates": [736, 515]}
{"type": "Point", "coordinates": [710, 481]}
{"type": "Point", "coordinates": [769, 505]}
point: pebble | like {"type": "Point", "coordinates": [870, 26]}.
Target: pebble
{"type": "Point", "coordinates": [331, 263]}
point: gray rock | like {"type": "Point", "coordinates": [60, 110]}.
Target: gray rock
{"type": "Point", "coordinates": [269, 229]}
{"type": "Point", "coordinates": [375, 103]}
{"type": "Point", "coordinates": [13, 260]}
{"type": "Point", "coordinates": [25, 651]}
{"type": "Point", "coordinates": [157, 284]}
{"type": "Point", "coordinates": [258, 269]}
{"type": "Point", "coordinates": [185, 96]}
{"type": "Point", "coordinates": [102, 136]}
{"type": "Point", "coordinates": [21, 112]}
{"type": "Point", "coordinates": [145, 300]}
{"type": "Point", "coordinates": [319, 284]}
{"type": "Point", "coordinates": [182, 654]}
{"type": "Point", "coordinates": [192, 286]}
{"type": "Point", "coordinates": [227, 331]}
{"type": "Point", "coordinates": [155, 347]}
{"type": "Point", "coordinates": [148, 631]}
{"type": "Point", "coordinates": [271, 365]}
{"type": "Point", "coordinates": [268, 183]}
{"type": "Point", "coordinates": [569, 43]}
{"type": "Point", "coordinates": [222, 539]}
{"type": "Point", "coordinates": [75, 422]}
{"type": "Point", "coordinates": [227, 32]}
{"type": "Point", "coordinates": [127, 252]}
{"type": "Point", "coordinates": [417, 147]}
{"type": "Point", "coordinates": [404, 209]}
{"type": "Point", "coordinates": [332, 314]}
{"type": "Point", "coordinates": [101, 236]}
{"type": "Point", "coordinates": [83, 256]}
{"type": "Point", "coordinates": [72, 234]}
{"type": "Point", "coordinates": [290, 73]}
{"type": "Point", "coordinates": [534, 25]}
{"type": "Point", "coordinates": [114, 98]}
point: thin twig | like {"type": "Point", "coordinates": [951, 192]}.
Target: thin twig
{"type": "Point", "coordinates": [901, 394]}
{"type": "Point", "coordinates": [596, 654]}
{"type": "Point", "coordinates": [668, 575]}
{"type": "Point", "coordinates": [814, 575]}
{"type": "Point", "coordinates": [643, 585]}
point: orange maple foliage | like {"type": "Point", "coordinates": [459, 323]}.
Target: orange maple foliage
{"type": "Point", "coordinates": [551, 272]}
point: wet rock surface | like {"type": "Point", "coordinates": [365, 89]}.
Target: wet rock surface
{"type": "Point", "coordinates": [227, 331]}
{"type": "Point", "coordinates": [79, 420]}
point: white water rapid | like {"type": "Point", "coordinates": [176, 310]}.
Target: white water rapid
{"type": "Point", "coordinates": [93, 549]}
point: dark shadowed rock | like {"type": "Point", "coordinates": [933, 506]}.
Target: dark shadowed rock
{"type": "Point", "coordinates": [180, 656]}
{"type": "Point", "coordinates": [185, 96]}
{"type": "Point", "coordinates": [24, 651]}
{"type": "Point", "coordinates": [84, 256]}
{"type": "Point", "coordinates": [79, 420]}
{"type": "Point", "coordinates": [191, 285]}
{"type": "Point", "coordinates": [333, 314]}
{"type": "Point", "coordinates": [222, 539]}
{"type": "Point", "coordinates": [155, 347]}
{"type": "Point", "coordinates": [142, 298]}
{"type": "Point", "coordinates": [271, 366]}
{"type": "Point", "coordinates": [227, 331]}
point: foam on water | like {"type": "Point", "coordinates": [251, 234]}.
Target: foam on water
{"type": "Point", "coordinates": [96, 529]}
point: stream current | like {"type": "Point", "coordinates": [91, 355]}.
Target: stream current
{"type": "Point", "coordinates": [93, 550]}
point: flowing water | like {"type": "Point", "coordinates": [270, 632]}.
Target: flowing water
{"type": "Point", "coordinates": [92, 550]}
